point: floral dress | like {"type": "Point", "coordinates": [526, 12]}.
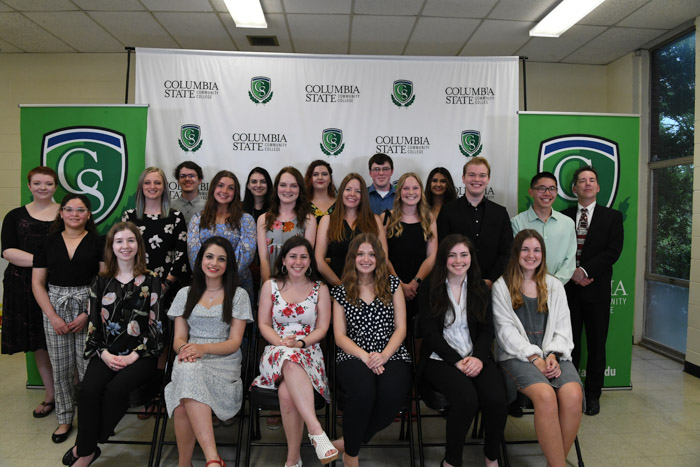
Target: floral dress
{"type": "Point", "coordinates": [277, 235]}
{"type": "Point", "coordinates": [318, 213]}
{"type": "Point", "coordinates": [298, 319]}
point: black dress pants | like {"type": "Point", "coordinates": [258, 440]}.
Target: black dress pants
{"type": "Point", "coordinates": [595, 317]}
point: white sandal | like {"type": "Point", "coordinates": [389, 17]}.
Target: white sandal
{"type": "Point", "coordinates": [322, 445]}
{"type": "Point", "coordinates": [298, 464]}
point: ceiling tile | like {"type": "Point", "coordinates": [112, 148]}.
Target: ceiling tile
{"type": "Point", "coordinates": [318, 6]}
{"type": "Point", "coordinates": [609, 13]}
{"type": "Point", "coordinates": [78, 30]}
{"type": "Point", "coordinates": [268, 6]}
{"type": "Point", "coordinates": [555, 49]}
{"type": "Point", "coordinates": [522, 10]}
{"type": "Point", "coordinates": [388, 7]}
{"type": "Point", "coordinates": [134, 29]}
{"type": "Point", "coordinates": [196, 30]}
{"type": "Point", "coordinates": [657, 14]}
{"type": "Point", "coordinates": [495, 37]}
{"type": "Point", "coordinates": [19, 31]}
{"type": "Point", "coordinates": [380, 35]}
{"type": "Point", "coordinates": [42, 5]}
{"type": "Point", "coordinates": [178, 5]}
{"type": "Point", "coordinates": [612, 44]}
{"type": "Point", "coordinates": [275, 27]}
{"type": "Point", "coordinates": [440, 36]}
{"type": "Point", "coordinates": [7, 48]}
{"type": "Point", "coordinates": [110, 5]}
{"type": "Point", "coordinates": [458, 8]}
{"type": "Point", "coordinates": [321, 34]}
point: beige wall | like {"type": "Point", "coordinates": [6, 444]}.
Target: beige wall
{"type": "Point", "coordinates": [554, 87]}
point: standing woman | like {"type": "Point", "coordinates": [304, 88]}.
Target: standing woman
{"type": "Point", "coordinates": [439, 190]}
{"type": "Point", "coordinates": [223, 216]}
{"type": "Point", "coordinates": [164, 231]}
{"type": "Point", "coordinates": [533, 328]}
{"type": "Point", "coordinates": [124, 337]}
{"type": "Point", "coordinates": [320, 188]}
{"type": "Point", "coordinates": [23, 229]}
{"type": "Point", "coordinates": [63, 269]}
{"type": "Point", "coordinates": [369, 324]}
{"type": "Point", "coordinates": [210, 318]}
{"type": "Point", "coordinates": [457, 327]}
{"type": "Point", "coordinates": [351, 217]}
{"type": "Point", "coordinates": [289, 215]}
{"type": "Point", "coordinates": [294, 314]}
{"type": "Point", "coordinates": [256, 200]}
{"type": "Point", "coordinates": [411, 236]}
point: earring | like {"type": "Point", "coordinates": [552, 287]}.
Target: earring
{"type": "Point", "coordinates": [308, 271]}
{"type": "Point", "coordinates": [283, 269]}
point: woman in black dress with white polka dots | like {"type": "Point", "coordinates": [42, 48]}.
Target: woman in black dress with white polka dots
{"type": "Point", "coordinates": [369, 323]}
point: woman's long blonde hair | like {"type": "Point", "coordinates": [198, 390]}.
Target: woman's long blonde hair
{"type": "Point", "coordinates": [395, 228]}
{"type": "Point", "coordinates": [514, 273]}
{"type": "Point", "coordinates": [381, 272]}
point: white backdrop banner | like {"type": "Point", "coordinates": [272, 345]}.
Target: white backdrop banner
{"type": "Point", "coordinates": [236, 111]}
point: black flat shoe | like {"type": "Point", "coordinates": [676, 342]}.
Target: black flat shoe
{"type": "Point", "coordinates": [69, 458]}
{"type": "Point", "coordinates": [592, 407]}
{"type": "Point", "coordinates": [61, 437]}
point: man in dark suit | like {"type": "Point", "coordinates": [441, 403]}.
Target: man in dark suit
{"type": "Point", "coordinates": [599, 237]}
{"type": "Point", "coordinates": [481, 220]}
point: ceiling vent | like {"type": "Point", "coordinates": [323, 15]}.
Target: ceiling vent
{"type": "Point", "coordinates": [264, 41]}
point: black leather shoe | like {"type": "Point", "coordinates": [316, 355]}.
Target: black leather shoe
{"type": "Point", "coordinates": [59, 438]}
{"type": "Point", "coordinates": [98, 451]}
{"type": "Point", "coordinates": [592, 407]}
{"type": "Point", "coordinates": [69, 458]}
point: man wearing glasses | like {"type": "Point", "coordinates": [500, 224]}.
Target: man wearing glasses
{"type": "Point", "coordinates": [484, 222]}
{"type": "Point", "coordinates": [381, 191]}
{"type": "Point", "coordinates": [189, 176]}
{"type": "Point", "coordinates": [556, 228]}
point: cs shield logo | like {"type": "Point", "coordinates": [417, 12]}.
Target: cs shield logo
{"type": "Point", "coordinates": [88, 161]}
{"type": "Point", "coordinates": [402, 95]}
{"type": "Point", "coordinates": [332, 141]}
{"type": "Point", "coordinates": [260, 90]}
{"type": "Point", "coordinates": [190, 138]}
{"type": "Point", "coordinates": [562, 155]}
{"type": "Point", "coordinates": [470, 143]}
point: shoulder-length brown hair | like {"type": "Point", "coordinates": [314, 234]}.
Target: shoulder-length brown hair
{"type": "Point", "coordinates": [111, 265]}
{"type": "Point", "coordinates": [308, 178]}
{"type": "Point", "coordinates": [366, 223]}
{"type": "Point", "coordinates": [349, 279]}
{"type": "Point", "coordinates": [514, 273]}
{"type": "Point", "coordinates": [235, 208]}
{"type": "Point", "coordinates": [302, 208]}
{"type": "Point", "coordinates": [394, 227]}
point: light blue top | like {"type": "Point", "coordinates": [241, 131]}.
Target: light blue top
{"type": "Point", "coordinates": [378, 204]}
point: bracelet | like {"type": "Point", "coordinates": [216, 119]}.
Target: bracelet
{"type": "Point", "coordinates": [180, 348]}
{"type": "Point", "coordinates": [303, 343]}
{"type": "Point", "coordinates": [534, 359]}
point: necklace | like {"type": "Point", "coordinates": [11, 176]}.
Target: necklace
{"type": "Point", "coordinates": [213, 293]}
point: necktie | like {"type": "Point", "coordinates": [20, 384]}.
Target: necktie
{"type": "Point", "coordinates": [581, 232]}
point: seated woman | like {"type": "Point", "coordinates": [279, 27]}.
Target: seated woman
{"type": "Point", "coordinates": [124, 334]}
{"type": "Point", "coordinates": [369, 324]}
{"type": "Point", "coordinates": [294, 315]}
{"type": "Point", "coordinates": [533, 329]}
{"type": "Point", "coordinates": [457, 327]}
{"type": "Point", "coordinates": [210, 318]}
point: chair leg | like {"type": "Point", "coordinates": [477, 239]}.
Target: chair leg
{"type": "Point", "coordinates": [578, 452]}
{"type": "Point", "coordinates": [506, 463]}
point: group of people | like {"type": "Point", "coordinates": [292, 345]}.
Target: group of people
{"type": "Point", "coordinates": [97, 312]}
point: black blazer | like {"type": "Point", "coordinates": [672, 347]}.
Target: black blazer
{"type": "Point", "coordinates": [430, 329]}
{"type": "Point", "coordinates": [495, 238]}
{"type": "Point", "coordinates": [601, 249]}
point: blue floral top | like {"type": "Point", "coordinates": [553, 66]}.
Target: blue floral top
{"type": "Point", "coordinates": [242, 239]}
{"type": "Point", "coordinates": [125, 317]}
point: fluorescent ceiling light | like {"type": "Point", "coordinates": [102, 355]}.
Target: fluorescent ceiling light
{"type": "Point", "coordinates": [246, 13]}
{"type": "Point", "coordinates": [565, 15]}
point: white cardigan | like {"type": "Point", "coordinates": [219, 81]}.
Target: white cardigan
{"type": "Point", "coordinates": [510, 333]}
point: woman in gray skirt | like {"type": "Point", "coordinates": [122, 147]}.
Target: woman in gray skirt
{"type": "Point", "coordinates": [533, 330]}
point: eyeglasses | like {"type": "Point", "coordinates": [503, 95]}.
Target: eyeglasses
{"type": "Point", "coordinates": [70, 210]}
{"type": "Point", "coordinates": [184, 176]}
{"type": "Point", "coordinates": [544, 189]}
{"type": "Point", "coordinates": [380, 169]}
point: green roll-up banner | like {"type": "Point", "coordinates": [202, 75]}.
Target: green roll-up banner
{"type": "Point", "coordinates": [561, 143]}
{"type": "Point", "coordinates": [97, 150]}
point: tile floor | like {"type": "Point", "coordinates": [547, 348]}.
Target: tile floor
{"type": "Point", "coordinates": [655, 424]}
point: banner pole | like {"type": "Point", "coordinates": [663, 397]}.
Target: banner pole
{"type": "Point", "coordinates": [524, 58]}
{"type": "Point", "coordinates": [128, 69]}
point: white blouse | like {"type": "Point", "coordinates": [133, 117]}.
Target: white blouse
{"type": "Point", "coordinates": [457, 334]}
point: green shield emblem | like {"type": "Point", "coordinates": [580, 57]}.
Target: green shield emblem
{"type": "Point", "coordinates": [88, 161]}
{"type": "Point", "coordinates": [260, 89]}
{"type": "Point", "coordinates": [562, 155]}
{"type": "Point", "coordinates": [470, 143]}
{"type": "Point", "coordinates": [402, 93]}
{"type": "Point", "coordinates": [190, 137]}
{"type": "Point", "coordinates": [332, 141]}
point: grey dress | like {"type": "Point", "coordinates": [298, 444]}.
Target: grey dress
{"type": "Point", "coordinates": [214, 380]}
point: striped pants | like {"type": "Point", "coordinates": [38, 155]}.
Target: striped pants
{"type": "Point", "coordinates": [66, 351]}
